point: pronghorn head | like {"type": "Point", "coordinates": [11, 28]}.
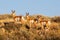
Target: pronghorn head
{"type": "Point", "coordinates": [13, 13]}
{"type": "Point", "coordinates": [27, 16]}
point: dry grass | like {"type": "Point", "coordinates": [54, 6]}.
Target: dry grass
{"type": "Point", "coordinates": [13, 31]}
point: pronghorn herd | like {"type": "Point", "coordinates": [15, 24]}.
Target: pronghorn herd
{"type": "Point", "coordinates": [22, 20]}
{"type": "Point", "coordinates": [32, 22]}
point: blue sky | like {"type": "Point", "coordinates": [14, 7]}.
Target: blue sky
{"type": "Point", "coordinates": [44, 7]}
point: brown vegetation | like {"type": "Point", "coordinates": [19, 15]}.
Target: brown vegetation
{"type": "Point", "coordinates": [16, 31]}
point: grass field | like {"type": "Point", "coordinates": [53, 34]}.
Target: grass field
{"type": "Point", "coordinates": [13, 31]}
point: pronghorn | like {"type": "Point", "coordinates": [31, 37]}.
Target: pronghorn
{"type": "Point", "coordinates": [35, 21]}
{"type": "Point", "coordinates": [13, 13]}
{"type": "Point", "coordinates": [45, 23]}
{"type": "Point", "coordinates": [19, 19]}
{"type": "Point", "coordinates": [28, 17]}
